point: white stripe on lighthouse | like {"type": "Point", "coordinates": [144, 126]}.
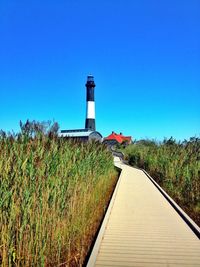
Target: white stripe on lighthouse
{"type": "Point", "coordinates": [90, 110]}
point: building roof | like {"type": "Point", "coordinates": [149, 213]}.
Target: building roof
{"type": "Point", "coordinates": [78, 133]}
{"type": "Point", "coordinates": [75, 130]}
{"type": "Point", "coordinates": [118, 137]}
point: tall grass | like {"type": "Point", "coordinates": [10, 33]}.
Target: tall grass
{"type": "Point", "coordinates": [175, 166]}
{"type": "Point", "coordinates": [52, 193]}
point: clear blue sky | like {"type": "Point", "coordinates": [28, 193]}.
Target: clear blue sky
{"type": "Point", "coordinates": [144, 55]}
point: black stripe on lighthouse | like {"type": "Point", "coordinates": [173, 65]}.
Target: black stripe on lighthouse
{"type": "Point", "coordinates": [90, 112]}
{"type": "Point", "coordinates": [90, 94]}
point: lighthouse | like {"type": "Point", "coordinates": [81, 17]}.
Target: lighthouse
{"type": "Point", "coordinates": [89, 132]}
{"type": "Point", "coordinates": [90, 105]}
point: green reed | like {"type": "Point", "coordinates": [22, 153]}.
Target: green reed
{"type": "Point", "coordinates": [175, 166]}
{"type": "Point", "coordinates": [52, 195]}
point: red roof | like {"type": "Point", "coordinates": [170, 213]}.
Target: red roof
{"type": "Point", "coordinates": [118, 137]}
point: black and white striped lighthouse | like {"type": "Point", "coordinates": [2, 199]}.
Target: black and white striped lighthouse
{"type": "Point", "coordinates": [90, 111]}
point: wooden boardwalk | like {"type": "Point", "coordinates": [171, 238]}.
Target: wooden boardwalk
{"type": "Point", "coordinates": [141, 228]}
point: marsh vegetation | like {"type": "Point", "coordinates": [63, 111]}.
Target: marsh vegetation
{"type": "Point", "coordinates": [53, 194]}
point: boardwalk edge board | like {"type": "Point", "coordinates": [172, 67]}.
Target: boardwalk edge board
{"type": "Point", "coordinates": [193, 226]}
{"type": "Point", "coordinates": [95, 249]}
